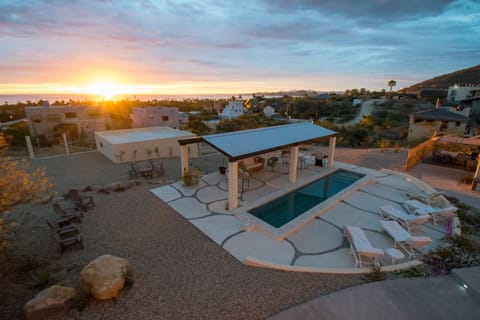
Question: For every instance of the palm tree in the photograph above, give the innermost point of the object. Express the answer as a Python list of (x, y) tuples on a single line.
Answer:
[(391, 84)]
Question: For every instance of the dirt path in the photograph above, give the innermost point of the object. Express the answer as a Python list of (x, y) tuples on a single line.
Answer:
[(365, 110)]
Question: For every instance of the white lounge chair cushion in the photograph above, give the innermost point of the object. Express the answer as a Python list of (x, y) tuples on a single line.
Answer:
[(418, 242), (395, 231), (361, 243)]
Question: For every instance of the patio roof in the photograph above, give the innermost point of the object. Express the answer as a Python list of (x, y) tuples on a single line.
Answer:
[(243, 144)]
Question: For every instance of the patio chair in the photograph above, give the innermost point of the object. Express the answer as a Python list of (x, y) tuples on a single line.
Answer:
[(65, 236), (71, 213), (360, 246), (419, 208), (404, 239), (81, 202), (146, 169), (133, 170), (390, 212)]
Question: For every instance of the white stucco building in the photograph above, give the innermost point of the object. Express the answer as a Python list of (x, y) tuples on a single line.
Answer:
[(130, 145), (457, 93), (233, 109), (76, 121), (155, 116)]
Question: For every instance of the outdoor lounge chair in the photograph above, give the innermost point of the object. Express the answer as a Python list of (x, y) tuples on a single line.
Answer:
[(70, 214), (65, 236), (81, 202), (404, 239), (360, 246), (419, 208), (426, 197), (409, 221)]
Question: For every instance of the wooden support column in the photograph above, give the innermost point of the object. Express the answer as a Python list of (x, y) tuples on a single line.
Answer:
[(184, 158), (232, 185), (65, 143), (331, 151), (292, 174), (30, 147)]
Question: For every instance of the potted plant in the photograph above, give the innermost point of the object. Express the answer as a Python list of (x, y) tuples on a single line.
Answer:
[(191, 178), (222, 168)]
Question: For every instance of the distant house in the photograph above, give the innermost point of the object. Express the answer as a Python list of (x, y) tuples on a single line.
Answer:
[(432, 94), (455, 121), (356, 102), (154, 117), (75, 121), (457, 93), (233, 109)]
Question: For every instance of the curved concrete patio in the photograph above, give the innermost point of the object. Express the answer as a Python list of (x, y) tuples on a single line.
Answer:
[(317, 247)]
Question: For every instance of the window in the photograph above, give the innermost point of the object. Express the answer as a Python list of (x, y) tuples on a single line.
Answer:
[(70, 115), (457, 124), (37, 120), (164, 118)]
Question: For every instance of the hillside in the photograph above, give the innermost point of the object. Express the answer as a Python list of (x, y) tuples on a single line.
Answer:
[(469, 75)]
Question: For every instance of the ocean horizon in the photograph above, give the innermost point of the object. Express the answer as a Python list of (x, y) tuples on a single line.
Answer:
[(24, 98)]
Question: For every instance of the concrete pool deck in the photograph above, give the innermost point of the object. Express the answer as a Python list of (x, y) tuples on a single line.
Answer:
[(319, 246)]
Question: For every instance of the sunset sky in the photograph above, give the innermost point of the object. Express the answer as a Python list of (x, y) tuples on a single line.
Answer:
[(193, 47)]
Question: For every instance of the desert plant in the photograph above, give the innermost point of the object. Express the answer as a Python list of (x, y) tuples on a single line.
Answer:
[(375, 276), (192, 177), (414, 272)]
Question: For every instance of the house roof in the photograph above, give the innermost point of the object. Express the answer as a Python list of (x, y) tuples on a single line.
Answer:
[(246, 143), (142, 134), (441, 114)]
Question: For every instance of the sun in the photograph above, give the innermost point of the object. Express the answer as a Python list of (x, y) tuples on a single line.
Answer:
[(105, 89)]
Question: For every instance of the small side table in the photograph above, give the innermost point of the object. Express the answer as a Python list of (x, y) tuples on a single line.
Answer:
[(395, 254)]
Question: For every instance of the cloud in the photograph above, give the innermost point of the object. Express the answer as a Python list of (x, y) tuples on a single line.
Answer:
[(240, 40), (365, 9)]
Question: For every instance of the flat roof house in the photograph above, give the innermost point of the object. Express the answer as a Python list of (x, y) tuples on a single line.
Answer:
[(142, 144)]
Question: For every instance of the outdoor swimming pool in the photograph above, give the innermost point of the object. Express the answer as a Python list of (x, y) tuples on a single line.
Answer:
[(284, 209)]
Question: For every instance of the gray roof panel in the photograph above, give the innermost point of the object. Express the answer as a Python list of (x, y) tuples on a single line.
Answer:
[(241, 144)]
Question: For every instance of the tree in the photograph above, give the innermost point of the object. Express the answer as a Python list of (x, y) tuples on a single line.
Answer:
[(18, 185), (391, 84)]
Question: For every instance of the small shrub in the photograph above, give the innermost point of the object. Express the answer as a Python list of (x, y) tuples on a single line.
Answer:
[(414, 272), (375, 276), (42, 278)]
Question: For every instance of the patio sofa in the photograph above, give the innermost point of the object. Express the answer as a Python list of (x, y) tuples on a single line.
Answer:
[(252, 164)]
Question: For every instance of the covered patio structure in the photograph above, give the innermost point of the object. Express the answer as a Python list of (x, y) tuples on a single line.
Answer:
[(239, 145)]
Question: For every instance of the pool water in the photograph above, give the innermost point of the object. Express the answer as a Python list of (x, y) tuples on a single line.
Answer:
[(286, 208)]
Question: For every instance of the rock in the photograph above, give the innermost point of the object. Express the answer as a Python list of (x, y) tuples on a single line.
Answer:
[(116, 186), (53, 299), (104, 277)]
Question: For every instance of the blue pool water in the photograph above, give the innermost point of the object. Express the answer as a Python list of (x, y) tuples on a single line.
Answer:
[(286, 208)]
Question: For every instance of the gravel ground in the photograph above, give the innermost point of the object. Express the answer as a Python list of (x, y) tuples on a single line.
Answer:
[(178, 272)]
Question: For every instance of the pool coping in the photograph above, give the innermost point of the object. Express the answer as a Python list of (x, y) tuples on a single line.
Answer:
[(262, 263), (251, 222)]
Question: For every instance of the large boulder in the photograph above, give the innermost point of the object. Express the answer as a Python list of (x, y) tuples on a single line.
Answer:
[(104, 277), (53, 299)]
